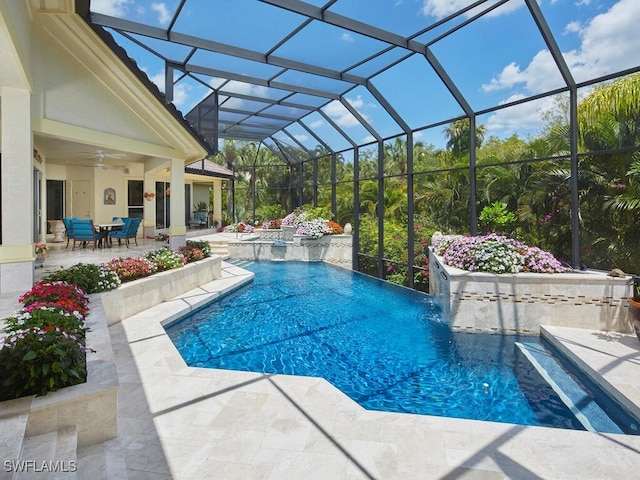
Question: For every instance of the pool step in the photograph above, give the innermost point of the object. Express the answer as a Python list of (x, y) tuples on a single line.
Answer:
[(581, 404), (240, 263)]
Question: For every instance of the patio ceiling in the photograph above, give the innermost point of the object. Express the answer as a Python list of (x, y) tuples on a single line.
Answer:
[(277, 82)]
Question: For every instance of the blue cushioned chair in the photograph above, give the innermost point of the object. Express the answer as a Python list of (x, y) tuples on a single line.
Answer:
[(68, 229), (83, 231), (129, 230)]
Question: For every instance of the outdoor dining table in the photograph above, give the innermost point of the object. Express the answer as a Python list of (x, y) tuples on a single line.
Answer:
[(104, 229)]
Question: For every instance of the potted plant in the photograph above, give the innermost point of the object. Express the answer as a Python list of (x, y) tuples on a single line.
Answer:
[(634, 306), (41, 253)]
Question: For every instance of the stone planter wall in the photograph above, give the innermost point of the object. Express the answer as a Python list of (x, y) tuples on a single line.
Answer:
[(139, 295), (336, 249), (92, 407), (522, 302), (270, 234)]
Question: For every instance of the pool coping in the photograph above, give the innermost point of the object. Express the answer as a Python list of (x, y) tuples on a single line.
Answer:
[(339, 435)]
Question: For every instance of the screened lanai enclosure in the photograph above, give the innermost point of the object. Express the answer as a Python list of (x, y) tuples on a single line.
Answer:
[(403, 118)]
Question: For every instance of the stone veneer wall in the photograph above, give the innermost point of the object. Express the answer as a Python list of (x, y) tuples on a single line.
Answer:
[(336, 249), (522, 302)]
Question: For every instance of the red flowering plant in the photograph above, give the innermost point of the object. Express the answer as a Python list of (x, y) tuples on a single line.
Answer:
[(191, 253), (68, 296), (272, 224), (129, 268)]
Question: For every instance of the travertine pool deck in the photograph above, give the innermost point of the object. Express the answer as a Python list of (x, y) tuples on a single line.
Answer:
[(193, 423)]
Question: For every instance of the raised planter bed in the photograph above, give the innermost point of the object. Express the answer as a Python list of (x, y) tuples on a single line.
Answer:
[(336, 249), (92, 407), (524, 301), (139, 295)]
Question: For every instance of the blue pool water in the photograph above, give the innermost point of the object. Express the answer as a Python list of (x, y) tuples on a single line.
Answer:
[(384, 346)]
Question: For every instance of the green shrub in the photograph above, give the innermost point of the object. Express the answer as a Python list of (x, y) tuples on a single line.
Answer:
[(497, 219), (202, 245), (270, 212), (165, 259), (35, 361), (89, 277)]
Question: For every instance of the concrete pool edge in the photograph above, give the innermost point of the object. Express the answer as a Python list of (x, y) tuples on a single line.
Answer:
[(339, 435), (601, 365)]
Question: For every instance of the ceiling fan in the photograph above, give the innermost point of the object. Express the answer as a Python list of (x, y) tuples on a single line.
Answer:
[(101, 155)]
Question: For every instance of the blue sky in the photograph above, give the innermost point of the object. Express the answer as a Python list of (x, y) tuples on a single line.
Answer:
[(497, 59)]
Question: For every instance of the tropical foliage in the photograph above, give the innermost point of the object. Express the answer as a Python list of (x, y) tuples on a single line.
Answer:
[(523, 186)]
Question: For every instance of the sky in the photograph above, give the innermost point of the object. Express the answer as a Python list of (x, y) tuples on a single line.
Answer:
[(495, 60)]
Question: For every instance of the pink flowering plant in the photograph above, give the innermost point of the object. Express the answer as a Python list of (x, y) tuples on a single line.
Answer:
[(130, 268), (191, 253), (494, 254), (295, 218), (70, 296)]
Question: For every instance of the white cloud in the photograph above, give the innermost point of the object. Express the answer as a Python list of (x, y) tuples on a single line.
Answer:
[(541, 75), (301, 138), (164, 16), (181, 92), (573, 27), (609, 43), (347, 37), (114, 8), (339, 114), (519, 118), (442, 8), (317, 124), (343, 117)]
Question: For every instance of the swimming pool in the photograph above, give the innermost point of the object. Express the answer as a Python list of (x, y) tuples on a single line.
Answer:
[(384, 346)]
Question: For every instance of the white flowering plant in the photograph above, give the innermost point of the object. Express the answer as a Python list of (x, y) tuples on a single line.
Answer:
[(494, 254), (295, 218), (314, 228)]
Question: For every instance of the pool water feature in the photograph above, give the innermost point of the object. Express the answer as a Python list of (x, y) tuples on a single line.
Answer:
[(383, 345)]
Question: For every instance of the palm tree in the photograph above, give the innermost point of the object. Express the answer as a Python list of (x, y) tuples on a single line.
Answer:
[(459, 138)]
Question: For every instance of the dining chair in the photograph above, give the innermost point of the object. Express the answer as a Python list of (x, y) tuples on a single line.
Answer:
[(84, 231)]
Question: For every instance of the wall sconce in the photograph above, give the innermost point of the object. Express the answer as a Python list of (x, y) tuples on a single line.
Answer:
[(149, 195)]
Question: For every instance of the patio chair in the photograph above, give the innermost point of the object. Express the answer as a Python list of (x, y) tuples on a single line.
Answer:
[(200, 220), (84, 231), (129, 230), (68, 229)]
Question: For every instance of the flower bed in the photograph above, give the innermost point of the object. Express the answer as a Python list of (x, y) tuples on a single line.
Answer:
[(521, 302), (336, 249), (141, 294)]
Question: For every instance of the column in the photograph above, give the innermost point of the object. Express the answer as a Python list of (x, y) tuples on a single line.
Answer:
[(16, 252), (217, 202), (178, 229)]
